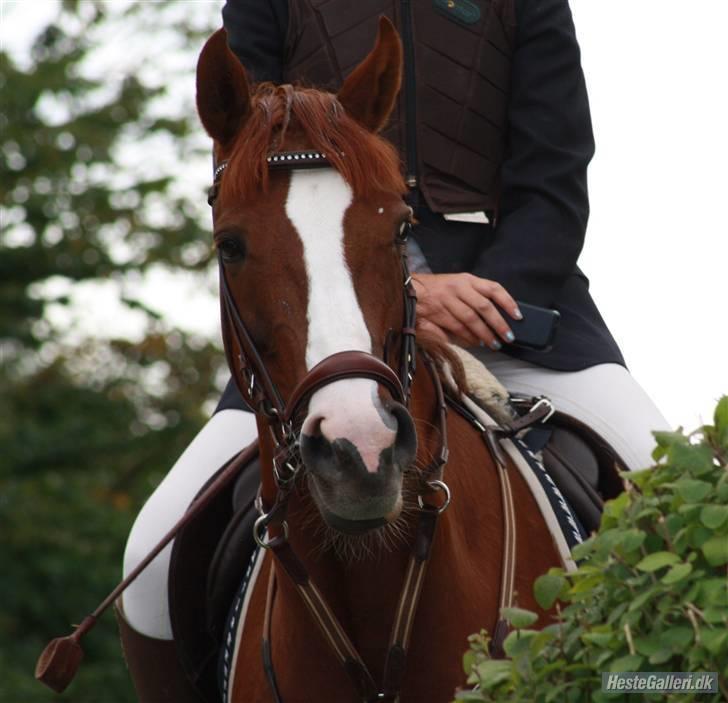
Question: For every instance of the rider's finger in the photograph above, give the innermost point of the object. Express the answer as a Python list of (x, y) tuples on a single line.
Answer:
[(431, 329), (468, 324), (490, 315), (499, 295)]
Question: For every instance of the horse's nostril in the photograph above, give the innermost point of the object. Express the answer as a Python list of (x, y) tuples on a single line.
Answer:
[(405, 444), (312, 425)]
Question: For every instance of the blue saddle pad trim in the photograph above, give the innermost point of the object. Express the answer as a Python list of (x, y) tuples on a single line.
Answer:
[(233, 620), (570, 525)]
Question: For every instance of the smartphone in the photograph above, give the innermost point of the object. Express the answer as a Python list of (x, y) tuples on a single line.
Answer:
[(537, 329)]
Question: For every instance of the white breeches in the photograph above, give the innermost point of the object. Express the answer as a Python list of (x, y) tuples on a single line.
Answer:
[(605, 397), (145, 602)]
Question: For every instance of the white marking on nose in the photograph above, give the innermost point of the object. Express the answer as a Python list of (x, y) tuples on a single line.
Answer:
[(352, 410), (316, 204)]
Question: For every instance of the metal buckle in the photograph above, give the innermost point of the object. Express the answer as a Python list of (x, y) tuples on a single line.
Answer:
[(284, 477), (260, 529), (437, 485), (544, 401)]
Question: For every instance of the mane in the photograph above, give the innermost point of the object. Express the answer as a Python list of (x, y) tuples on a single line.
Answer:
[(367, 162), (449, 366)]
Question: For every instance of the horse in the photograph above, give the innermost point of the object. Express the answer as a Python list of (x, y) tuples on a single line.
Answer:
[(387, 528)]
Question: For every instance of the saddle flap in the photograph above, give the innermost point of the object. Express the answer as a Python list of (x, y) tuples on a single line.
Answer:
[(194, 554)]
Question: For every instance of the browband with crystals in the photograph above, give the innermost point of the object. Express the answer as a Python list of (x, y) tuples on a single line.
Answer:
[(297, 159), (280, 159)]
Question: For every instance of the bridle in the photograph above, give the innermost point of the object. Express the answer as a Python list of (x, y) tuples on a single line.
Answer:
[(259, 390), (251, 375), (261, 393)]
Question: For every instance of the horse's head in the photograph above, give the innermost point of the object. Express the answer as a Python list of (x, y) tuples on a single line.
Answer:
[(311, 260)]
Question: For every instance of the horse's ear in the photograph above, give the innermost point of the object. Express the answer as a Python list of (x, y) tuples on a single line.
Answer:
[(368, 94), (223, 94)]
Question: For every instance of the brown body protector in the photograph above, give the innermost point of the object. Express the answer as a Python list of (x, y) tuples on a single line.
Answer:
[(449, 121)]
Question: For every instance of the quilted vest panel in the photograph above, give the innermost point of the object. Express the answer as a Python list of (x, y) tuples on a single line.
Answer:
[(455, 91)]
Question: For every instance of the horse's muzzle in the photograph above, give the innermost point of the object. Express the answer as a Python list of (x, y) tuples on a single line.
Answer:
[(356, 474)]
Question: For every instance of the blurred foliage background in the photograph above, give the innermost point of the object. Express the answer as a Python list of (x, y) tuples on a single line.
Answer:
[(92, 139)]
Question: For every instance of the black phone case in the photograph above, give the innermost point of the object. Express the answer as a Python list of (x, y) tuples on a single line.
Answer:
[(537, 329)]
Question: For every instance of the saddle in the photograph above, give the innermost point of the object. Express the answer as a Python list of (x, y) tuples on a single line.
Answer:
[(210, 555)]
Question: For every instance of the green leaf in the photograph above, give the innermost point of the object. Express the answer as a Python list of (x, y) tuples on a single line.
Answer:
[(713, 516), (715, 640), (660, 656), (469, 660), (648, 645), (518, 642), (678, 637), (669, 439), (692, 490), (493, 672), (469, 696), (677, 573), (715, 591), (639, 478), (653, 562), (641, 599), (696, 459), (715, 550), (720, 417), (715, 616), (583, 550), (601, 639), (615, 508), (546, 589), (631, 540), (629, 663), (518, 617)]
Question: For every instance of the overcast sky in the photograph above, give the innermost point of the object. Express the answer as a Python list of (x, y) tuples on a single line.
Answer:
[(657, 244)]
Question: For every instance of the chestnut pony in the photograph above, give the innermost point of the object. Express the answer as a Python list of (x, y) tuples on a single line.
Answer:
[(312, 279)]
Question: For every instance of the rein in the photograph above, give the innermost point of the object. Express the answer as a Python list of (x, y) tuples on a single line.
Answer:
[(59, 661)]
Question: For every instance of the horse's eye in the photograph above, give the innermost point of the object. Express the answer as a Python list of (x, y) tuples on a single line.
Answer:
[(231, 250)]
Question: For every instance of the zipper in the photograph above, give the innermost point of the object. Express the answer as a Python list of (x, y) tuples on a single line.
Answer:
[(410, 106)]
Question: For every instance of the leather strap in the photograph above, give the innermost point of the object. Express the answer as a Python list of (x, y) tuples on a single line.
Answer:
[(540, 411), (508, 568), (336, 638), (345, 364), (266, 644), (491, 437)]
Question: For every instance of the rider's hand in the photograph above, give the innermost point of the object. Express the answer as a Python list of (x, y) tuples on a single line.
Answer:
[(461, 307)]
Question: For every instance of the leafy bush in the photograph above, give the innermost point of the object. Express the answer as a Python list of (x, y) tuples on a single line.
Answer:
[(650, 593)]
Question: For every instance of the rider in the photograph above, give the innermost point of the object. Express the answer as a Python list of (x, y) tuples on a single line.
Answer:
[(494, 130)]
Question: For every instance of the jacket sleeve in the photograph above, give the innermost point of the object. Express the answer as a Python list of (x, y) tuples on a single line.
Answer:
[(256, 31), (544, 201)]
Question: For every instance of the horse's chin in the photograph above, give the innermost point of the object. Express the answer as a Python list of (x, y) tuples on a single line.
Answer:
[(356, 521), (353, 528)]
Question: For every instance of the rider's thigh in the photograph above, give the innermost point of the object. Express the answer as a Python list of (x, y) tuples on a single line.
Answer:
[(606, 397), (145, 601)]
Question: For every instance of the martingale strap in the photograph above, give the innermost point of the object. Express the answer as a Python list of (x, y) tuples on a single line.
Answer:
[(491, 437), (338, 641)]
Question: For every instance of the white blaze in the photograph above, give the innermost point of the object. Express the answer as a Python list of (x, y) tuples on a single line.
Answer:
[(316, 204)]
